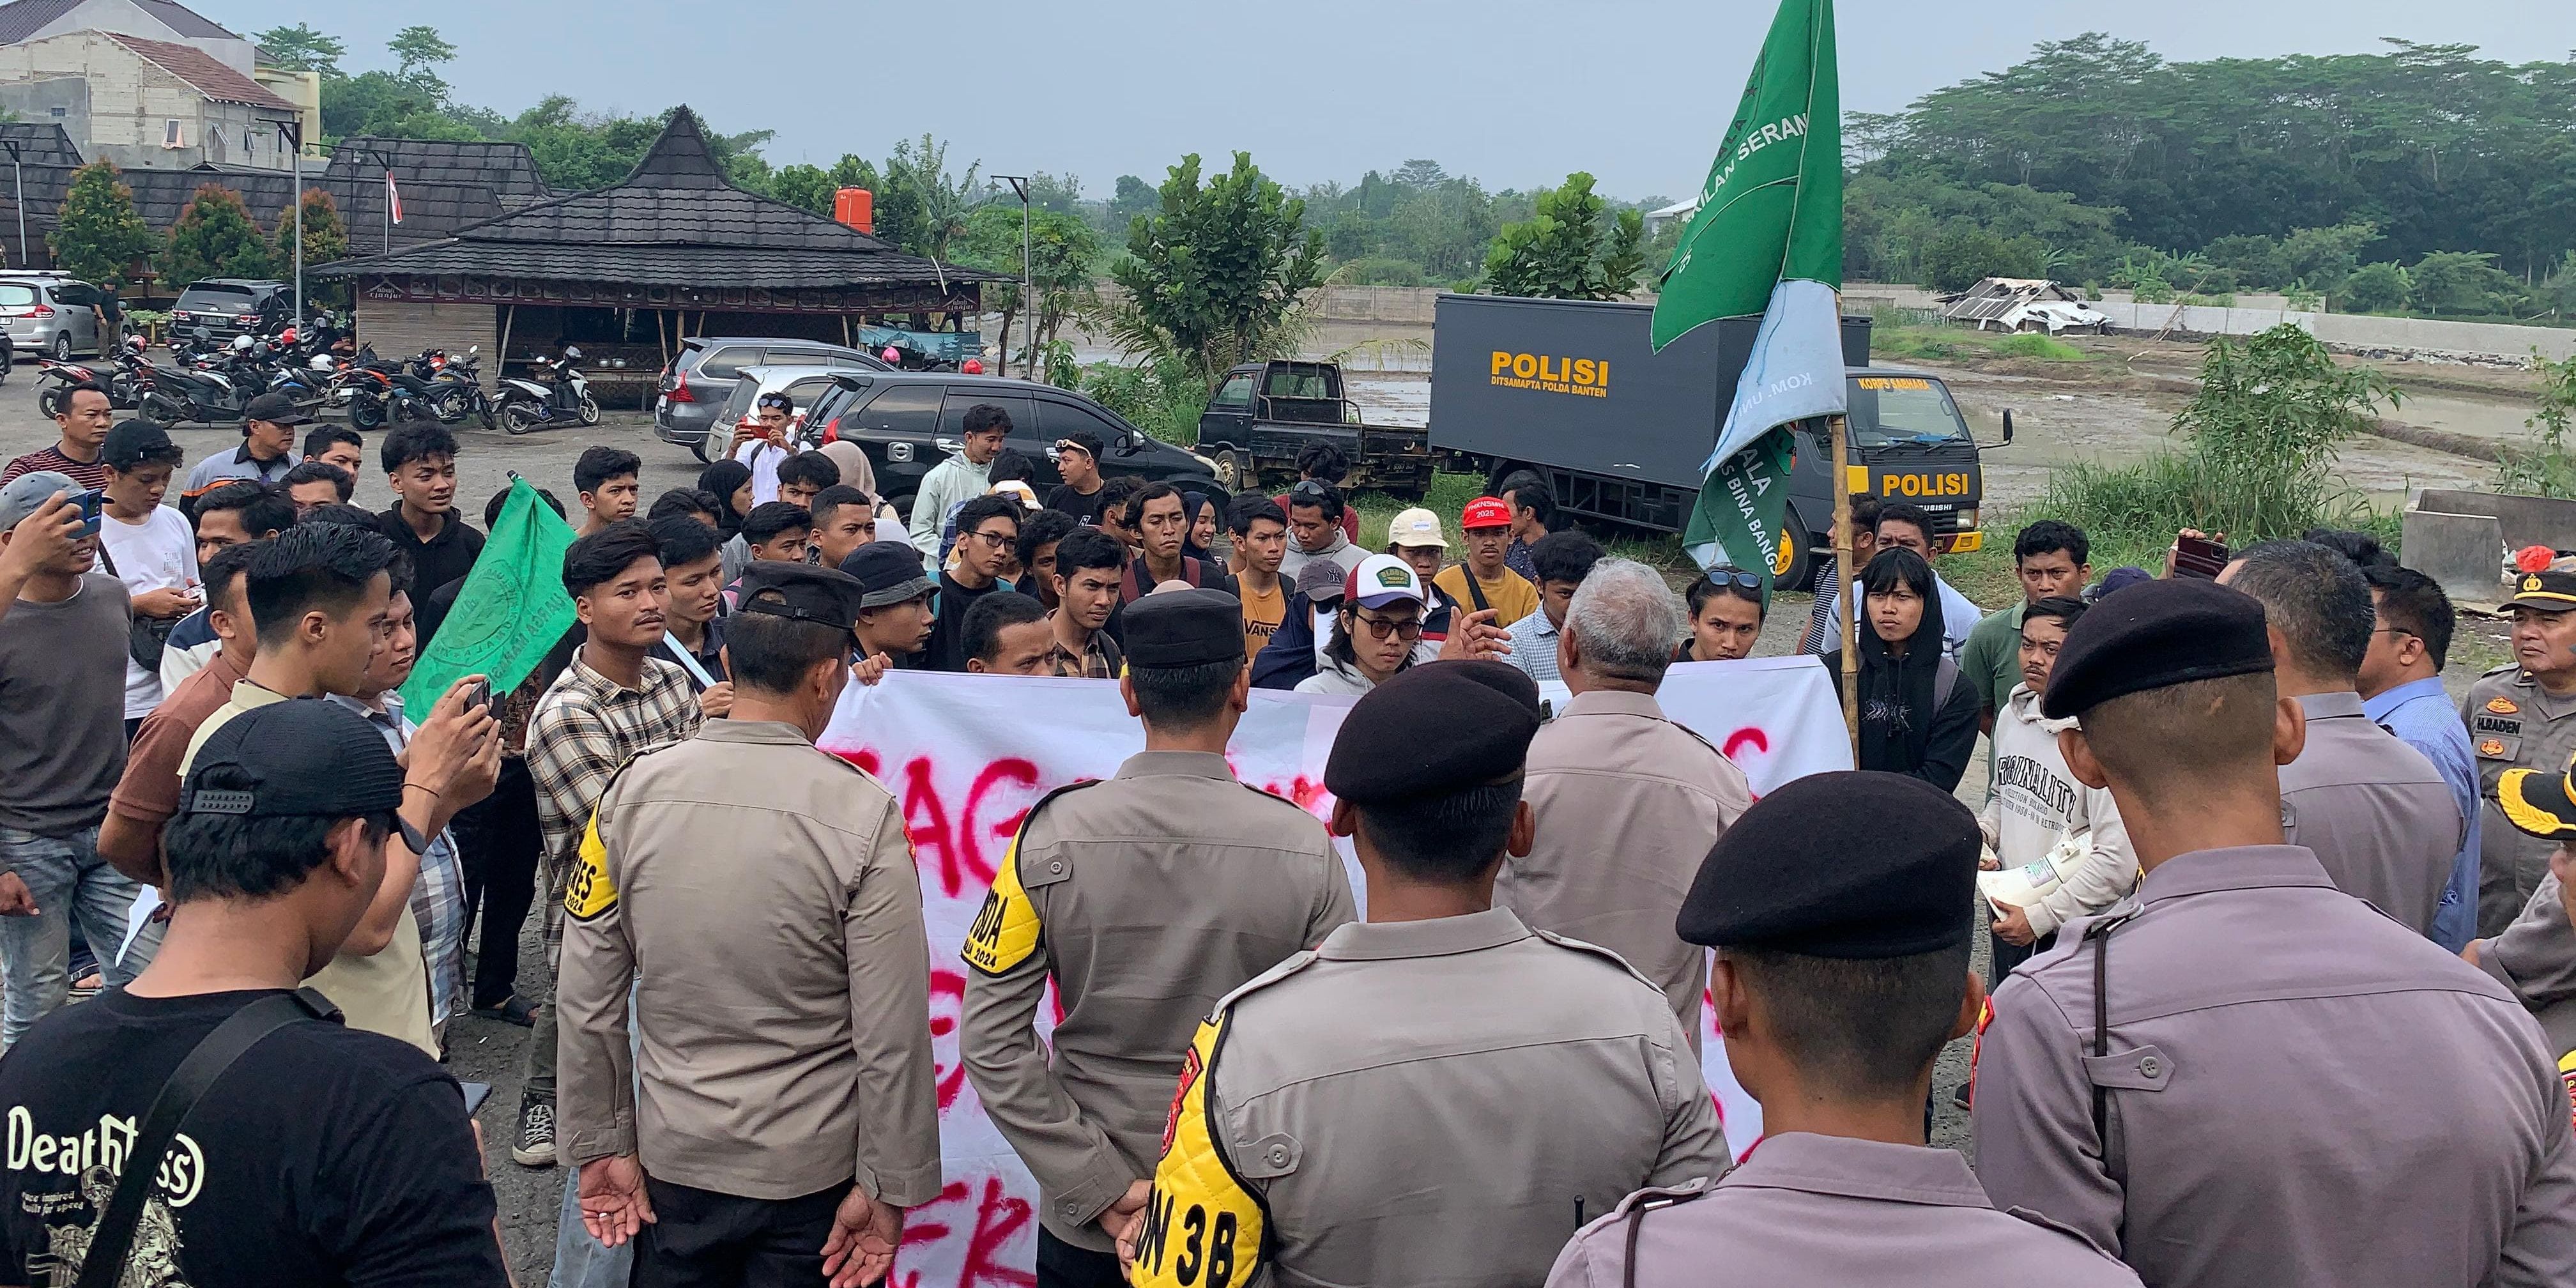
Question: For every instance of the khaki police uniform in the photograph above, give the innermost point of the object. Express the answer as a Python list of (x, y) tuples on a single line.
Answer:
[(1421, 1103), (1810, 1209), (2254, 1079), (2513, 724), (1145, 898), (1628, 803), (763, 894)]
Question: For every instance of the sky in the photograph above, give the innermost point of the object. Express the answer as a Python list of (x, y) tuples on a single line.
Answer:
[(1515, 94)]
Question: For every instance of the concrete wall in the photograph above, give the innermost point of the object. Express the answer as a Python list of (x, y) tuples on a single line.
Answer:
[(128, 18), (129, 104), (2352, 330), (38, 100)]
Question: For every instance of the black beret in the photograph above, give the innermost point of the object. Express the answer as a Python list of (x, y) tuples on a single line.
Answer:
[(1184, 628), (2155, 636), (1433, 729), (804, 592), (1854, 864)]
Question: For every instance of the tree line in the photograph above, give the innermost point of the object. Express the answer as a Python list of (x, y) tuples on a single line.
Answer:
[(2423, 177)]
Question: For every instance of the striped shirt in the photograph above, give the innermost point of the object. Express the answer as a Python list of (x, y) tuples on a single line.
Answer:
[(92, 475)]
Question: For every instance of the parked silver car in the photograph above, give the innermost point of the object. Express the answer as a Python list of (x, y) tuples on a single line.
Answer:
[(696, 384), (52, 314)]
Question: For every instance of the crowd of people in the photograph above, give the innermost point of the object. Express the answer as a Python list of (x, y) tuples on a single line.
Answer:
[(2328, 1046)]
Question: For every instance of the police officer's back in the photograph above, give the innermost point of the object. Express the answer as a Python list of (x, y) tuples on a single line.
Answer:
[(2374, 811), (2535, 956), (1842, 969), (1440, 1095), (763, 892), (2522, 715), (1145, 898), (2250, 1078)]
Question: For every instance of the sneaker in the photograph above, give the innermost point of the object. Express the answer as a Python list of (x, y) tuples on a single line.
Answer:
[(536, 1144)]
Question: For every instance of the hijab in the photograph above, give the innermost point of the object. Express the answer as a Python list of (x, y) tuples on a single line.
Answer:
[(1191, 504), (856, 471), (1896, 693), (724, 478)]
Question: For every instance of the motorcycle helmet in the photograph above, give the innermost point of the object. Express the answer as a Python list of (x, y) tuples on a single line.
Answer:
[(572, 353), (971, 367), (892, 355), (286, 336), (243, 344)]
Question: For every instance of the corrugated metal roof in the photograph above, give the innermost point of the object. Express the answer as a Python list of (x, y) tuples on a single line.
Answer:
[(40, 143), (202, 71), (508, 169)]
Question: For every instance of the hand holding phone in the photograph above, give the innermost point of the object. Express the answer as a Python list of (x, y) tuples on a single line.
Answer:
[(2195, 555), (92, 503)]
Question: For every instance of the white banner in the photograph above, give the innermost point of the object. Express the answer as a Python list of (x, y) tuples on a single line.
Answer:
[(967, 756)]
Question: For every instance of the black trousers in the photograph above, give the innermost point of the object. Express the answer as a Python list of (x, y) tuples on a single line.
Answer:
[(702, 1239), (1062, 1265), (499, 842)]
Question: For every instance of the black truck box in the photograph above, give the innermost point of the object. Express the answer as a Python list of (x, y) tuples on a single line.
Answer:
[(1575, 385)]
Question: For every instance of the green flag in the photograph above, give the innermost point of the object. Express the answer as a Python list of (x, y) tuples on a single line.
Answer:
[(1768, 239), (1772, 209), (512, 610)]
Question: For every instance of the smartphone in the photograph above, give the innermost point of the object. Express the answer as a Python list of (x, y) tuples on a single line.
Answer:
[(479, 696), (91, 503), (2199, 557), (475, 1094)]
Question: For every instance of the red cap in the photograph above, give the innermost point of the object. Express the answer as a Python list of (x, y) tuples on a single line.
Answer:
[(1487, 512)]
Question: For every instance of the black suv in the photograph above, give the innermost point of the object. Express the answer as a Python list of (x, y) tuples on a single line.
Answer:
[(910, 421), (230, 306)]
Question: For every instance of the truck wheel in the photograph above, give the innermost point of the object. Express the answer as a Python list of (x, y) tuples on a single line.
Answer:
[(1234, 470), (1794, 568)]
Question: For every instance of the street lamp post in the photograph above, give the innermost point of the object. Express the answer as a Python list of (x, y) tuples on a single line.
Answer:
[(1028, 294)]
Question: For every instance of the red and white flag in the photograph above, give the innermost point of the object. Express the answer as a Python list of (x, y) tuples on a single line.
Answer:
[(393, 197)]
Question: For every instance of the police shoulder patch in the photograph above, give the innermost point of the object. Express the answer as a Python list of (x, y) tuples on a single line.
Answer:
[(591, 892), (1006, 930), (1203, 1226), (2567, 1074)]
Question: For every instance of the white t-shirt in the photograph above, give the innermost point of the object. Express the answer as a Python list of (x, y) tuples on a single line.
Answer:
[(763, 458), (160, 553)]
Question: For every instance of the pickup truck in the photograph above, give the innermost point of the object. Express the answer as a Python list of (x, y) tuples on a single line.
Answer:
[(1264, 413)]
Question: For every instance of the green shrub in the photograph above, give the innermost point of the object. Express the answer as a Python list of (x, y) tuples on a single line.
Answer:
[(2040, 345)]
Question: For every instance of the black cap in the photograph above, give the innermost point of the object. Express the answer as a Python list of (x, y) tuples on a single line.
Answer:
[(305, 758), (2548, 590), (1184, 628), (1433, 729), (2155, 636), (129, 442), (1321, 581), (890, 571), (1814, 868), (2538, 802), (276, 409), (803, 592)]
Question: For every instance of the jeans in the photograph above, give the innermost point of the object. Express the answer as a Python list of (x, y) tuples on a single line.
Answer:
[(68, 879)]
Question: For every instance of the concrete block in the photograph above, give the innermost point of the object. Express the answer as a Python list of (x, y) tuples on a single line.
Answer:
[(2526, 520), (2462, 552)]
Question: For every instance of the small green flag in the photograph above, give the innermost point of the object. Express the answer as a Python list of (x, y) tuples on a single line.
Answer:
[(512, 611)]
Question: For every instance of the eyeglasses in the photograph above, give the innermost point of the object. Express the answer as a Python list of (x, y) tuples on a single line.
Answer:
[(1382, 627), (995, 540), (1309, 488)]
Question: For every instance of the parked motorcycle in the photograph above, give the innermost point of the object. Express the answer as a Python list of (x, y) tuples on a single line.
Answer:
[(59, 380), (559, 394)]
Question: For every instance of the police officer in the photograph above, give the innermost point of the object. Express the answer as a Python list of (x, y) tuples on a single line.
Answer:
[(2522, 715), (1440, 1095), (1842, 968), (782, 1112), (1145, 898), (2535, 956), (2247, 1077)]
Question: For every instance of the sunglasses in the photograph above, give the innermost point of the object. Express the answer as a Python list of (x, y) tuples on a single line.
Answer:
[(1382, 627), (1309, 488), (1736, 577)]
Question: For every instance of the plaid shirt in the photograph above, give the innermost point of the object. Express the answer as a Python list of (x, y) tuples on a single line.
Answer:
[(585, 727), (1100, 658), (438, 897)]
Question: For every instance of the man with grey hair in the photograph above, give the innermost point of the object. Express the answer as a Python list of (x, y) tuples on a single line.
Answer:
[(2376, 812), (1627, 802)]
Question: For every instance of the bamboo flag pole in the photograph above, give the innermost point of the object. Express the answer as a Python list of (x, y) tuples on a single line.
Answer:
[(1844, 574)]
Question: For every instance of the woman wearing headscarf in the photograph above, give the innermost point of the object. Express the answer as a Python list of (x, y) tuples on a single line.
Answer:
[(730, 482), (1198, 528), (1916, 717)]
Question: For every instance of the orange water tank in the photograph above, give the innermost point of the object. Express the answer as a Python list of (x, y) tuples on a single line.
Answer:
[(856, 207)]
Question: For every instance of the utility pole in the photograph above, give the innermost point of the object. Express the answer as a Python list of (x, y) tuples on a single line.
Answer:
[(1028, 295)]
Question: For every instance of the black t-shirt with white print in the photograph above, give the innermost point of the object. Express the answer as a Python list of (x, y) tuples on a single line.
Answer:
[(324, 1156)]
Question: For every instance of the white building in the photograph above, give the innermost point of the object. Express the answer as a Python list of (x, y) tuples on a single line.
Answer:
[(143, 103)]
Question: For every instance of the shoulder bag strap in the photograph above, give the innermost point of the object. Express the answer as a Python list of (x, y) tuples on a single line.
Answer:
[(114, 1236), (1476, 591)]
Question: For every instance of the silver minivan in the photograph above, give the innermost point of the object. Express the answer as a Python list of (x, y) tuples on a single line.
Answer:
[(696, 384), (51, 314)]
